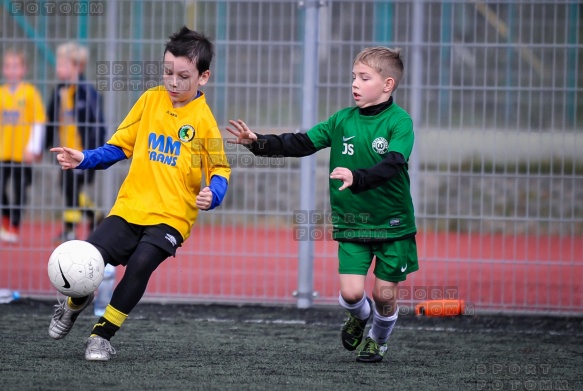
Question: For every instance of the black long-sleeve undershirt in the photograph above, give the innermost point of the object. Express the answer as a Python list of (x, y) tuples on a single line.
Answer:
[(283, 145), (369, 178), (299, 145)]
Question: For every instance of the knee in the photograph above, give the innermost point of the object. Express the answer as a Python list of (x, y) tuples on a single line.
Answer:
[(386, 305), (352, 295), (139, 268), (384, 298)]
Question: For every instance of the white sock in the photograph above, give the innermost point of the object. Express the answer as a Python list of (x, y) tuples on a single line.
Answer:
[(361, 309), (382, 326)]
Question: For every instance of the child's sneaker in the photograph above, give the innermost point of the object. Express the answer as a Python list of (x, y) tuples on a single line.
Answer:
[(372, 351), (65, 317), (353, 330), (9, 235), (98, 349)]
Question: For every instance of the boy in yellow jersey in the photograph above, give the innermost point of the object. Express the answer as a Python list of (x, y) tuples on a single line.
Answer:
[(173, 140), (22, 120), (76, 120)]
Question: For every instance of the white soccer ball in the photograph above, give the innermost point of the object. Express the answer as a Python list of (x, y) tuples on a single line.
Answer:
[(76, 268)]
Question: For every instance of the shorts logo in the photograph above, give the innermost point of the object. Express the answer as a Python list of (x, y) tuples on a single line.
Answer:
[(394, 222), (380, 145), (186, 133), (171, 239)]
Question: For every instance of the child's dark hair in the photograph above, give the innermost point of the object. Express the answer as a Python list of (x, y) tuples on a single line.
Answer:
[(192, 45)]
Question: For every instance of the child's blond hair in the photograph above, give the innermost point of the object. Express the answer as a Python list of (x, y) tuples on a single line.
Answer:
[(16, 53), (75, 52), (387, 62)]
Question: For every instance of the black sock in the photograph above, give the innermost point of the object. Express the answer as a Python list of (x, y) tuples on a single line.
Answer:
[(105, 329), (78, 300)]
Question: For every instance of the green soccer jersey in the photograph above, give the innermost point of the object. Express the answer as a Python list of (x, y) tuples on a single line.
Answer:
[(356, 142)]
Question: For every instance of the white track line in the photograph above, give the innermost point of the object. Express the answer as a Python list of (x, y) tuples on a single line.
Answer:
[(410, 328)]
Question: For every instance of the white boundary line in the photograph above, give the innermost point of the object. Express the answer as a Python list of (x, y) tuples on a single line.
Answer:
[(409, 328)]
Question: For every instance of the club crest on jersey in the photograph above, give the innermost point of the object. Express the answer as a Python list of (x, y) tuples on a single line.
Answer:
[(186, 133), (380, 145)]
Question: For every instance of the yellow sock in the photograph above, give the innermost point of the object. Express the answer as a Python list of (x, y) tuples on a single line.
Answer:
[(72, 305), (114, 316), (72, 216), (85, 201)]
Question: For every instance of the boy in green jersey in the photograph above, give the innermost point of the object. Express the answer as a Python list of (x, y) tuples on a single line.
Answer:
[(370, 197)]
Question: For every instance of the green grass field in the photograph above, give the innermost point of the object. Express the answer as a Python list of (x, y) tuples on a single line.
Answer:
[(219, 347)]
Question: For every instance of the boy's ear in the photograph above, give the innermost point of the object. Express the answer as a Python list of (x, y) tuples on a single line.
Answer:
[(389, 84), (204, 77)]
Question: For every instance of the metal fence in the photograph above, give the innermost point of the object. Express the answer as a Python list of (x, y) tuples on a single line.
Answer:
[(496, 96)]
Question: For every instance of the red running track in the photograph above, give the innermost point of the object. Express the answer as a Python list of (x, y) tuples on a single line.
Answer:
[(247, 264)]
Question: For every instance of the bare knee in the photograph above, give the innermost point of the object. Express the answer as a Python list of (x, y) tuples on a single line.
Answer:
[(352, 296), (385, 299), (352, 287)]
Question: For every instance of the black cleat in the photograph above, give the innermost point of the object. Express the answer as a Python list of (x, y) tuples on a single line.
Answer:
[(372, 351), (353, 330)]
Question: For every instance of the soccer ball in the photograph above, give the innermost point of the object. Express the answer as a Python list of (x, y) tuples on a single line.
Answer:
[(76, 268)]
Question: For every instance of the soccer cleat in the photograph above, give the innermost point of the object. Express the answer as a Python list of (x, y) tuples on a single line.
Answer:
[(65, 317), (371, 351), (98, 349), (353, 330), (9, 235)]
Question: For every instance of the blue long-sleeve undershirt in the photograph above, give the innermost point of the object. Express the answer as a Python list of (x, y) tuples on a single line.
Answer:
[(102, 157), (107, 155), (218, 186)]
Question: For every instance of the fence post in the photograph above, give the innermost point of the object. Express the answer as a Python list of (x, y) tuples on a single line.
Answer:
[(110, 97), (416, 68), (305, 292)]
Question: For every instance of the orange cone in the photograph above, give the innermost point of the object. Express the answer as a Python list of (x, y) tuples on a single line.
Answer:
[(440, 308)]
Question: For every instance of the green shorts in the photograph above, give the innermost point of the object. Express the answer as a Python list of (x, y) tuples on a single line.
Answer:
[(394, 260)]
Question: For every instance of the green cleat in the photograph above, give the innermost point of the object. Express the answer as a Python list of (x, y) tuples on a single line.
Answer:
[(353, 330), (372, 351)]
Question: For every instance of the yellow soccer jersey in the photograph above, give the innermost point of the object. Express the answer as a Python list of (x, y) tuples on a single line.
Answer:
[(19, 110), (169, 147), (68, 134)]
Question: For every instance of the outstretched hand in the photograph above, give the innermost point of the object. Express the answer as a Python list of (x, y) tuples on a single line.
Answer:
[(242, 132), (68, 158), (343, 174), (204, 199)]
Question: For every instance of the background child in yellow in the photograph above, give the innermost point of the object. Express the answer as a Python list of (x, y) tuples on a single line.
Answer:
[(76, 120), (22, 120)]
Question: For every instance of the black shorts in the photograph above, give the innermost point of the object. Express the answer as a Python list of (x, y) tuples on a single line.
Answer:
[(117, 239)]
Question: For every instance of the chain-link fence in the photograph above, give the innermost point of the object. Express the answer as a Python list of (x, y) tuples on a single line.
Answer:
[(497, 172)]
